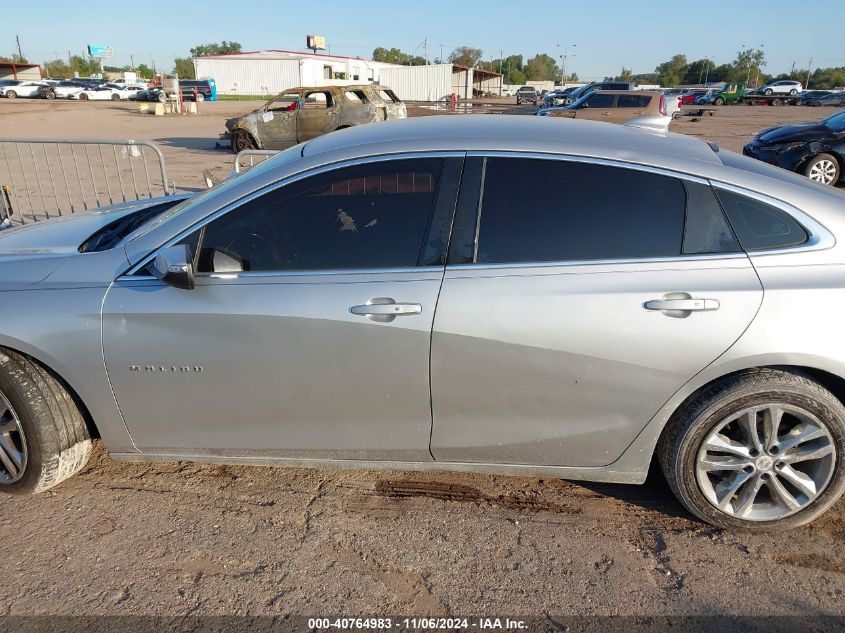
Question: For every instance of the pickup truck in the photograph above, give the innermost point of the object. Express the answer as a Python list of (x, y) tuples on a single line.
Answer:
[(732, 93)]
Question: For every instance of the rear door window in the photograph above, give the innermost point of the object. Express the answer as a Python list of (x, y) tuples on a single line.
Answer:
[(633, 101), (538, 210)]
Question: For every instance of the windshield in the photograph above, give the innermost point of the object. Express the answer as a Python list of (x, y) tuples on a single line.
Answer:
[(286, 156), (835, 122)]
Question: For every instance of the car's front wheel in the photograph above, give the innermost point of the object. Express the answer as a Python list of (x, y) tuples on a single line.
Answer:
[(759, 451), (43, 436), (823, 168), (11, 94)]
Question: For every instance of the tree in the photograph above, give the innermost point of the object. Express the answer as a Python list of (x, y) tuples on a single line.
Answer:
[(15, 59), (57, 69), (624, 75), (542, 67), (672, 73), (184, 67), (699, 71), (395, 56), (222, 48), (144, 71), (85, 66), (747, 64), (466, 56)]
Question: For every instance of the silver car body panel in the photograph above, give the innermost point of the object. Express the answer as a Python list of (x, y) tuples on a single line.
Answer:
[(59, 318)]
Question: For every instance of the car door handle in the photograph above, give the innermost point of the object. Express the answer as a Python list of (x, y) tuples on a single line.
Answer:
[(682, 305), (385, 309), (397, 309)]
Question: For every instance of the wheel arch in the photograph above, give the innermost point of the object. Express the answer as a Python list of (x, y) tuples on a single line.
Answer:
[(93, 430), (252, 135), (639, 455)]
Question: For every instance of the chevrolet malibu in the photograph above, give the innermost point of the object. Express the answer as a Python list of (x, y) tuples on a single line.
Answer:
[(415, 295)]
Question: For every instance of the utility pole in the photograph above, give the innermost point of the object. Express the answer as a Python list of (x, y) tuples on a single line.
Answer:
[(441, 53), (707, 71), (132, 61), (20, 54), (501, 56), (809, 66), (425, 47)]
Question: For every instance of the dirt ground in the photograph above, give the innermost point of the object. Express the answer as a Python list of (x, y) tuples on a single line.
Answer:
[(193, 540)]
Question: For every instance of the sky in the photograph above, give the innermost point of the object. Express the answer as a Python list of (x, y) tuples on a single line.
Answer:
[(600, 36)]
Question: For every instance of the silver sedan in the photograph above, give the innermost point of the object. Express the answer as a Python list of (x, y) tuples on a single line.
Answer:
[(500, 294)]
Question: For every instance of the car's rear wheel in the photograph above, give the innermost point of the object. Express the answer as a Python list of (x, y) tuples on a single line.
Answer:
[(823, 168), (83, 96), (768, 92), (793, 92), (718, 101), (43, 436), (759, 451), (11, 94), (49, 95), (115, 97)]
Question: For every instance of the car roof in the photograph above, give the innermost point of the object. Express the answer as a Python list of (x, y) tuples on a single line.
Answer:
[(485, 132)]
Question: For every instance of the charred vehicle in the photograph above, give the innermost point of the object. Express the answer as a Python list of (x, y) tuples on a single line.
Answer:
[(300, 114)]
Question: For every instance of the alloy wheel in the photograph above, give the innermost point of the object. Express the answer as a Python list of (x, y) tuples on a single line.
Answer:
[(13, 451), (766, 462), (823, 171)]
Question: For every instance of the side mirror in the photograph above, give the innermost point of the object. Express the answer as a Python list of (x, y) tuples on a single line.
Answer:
[(174, 266)]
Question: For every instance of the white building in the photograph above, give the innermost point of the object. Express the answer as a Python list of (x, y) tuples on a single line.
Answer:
[(272, 71)]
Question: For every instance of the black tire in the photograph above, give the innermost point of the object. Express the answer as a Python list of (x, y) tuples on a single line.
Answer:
[(58, 444), (161, 97), (768, 92), (242, 140), (718, 101), (83, 96), (818, 158), (200, 97), (49, 95), (775, 102), (793, 92), (115, 97), (689, 426), (11, 94)]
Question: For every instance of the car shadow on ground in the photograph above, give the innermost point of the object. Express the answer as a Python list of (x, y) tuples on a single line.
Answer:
[(654, 494), (193, 142)]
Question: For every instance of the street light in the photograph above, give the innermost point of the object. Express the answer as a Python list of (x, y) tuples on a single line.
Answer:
[(563, 58)]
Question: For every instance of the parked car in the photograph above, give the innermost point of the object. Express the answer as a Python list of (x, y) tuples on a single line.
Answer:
[(836, 99), (526, 94), (784, 87), (234, 326), (557, 97), (815, 148), (809, 95), (689, 97), (586, 89), (18, 88), (643, 107), (63, 89), (100, 93), (300, 114)]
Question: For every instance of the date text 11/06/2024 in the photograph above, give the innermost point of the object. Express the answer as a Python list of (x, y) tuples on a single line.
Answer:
[(501, 624)]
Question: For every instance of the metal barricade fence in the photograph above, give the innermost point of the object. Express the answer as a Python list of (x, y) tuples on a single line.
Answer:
[(45, 178), (250, 155)]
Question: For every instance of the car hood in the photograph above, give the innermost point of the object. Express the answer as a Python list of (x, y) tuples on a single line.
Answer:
[(807, 131), (29, 253)]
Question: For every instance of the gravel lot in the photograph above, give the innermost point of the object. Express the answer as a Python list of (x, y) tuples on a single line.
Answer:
[(193, 540)]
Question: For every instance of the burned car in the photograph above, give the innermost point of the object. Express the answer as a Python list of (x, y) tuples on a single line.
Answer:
[(300, 114)]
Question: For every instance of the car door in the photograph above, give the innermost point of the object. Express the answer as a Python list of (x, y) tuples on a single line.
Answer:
[(630, 106), (319, 114), (307, 334), (566, 321), (597, 107), (275, 124)]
